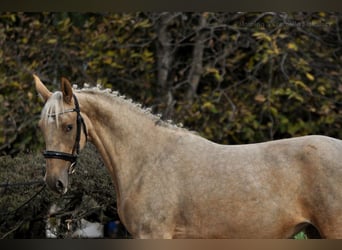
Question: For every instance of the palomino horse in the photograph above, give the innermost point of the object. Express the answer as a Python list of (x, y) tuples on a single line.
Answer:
[(171, 183)]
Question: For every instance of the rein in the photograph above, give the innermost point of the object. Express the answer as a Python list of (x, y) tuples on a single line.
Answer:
[(76, 149)]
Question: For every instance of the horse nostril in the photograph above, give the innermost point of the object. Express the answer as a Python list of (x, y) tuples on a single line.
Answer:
[(60, 186)]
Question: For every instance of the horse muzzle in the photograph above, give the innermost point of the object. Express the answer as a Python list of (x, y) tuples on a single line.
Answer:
[(58, 182)]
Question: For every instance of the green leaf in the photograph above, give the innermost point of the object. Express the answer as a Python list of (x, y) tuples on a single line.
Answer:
[(52, 41), (262, 36)]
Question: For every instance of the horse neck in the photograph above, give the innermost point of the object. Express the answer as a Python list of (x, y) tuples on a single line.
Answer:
[(124, 136)]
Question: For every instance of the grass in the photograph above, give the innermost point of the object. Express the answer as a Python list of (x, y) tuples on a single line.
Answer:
[(301, 236)]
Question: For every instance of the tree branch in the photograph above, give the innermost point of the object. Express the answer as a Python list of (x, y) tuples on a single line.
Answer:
[(164, 49), (197, 59)]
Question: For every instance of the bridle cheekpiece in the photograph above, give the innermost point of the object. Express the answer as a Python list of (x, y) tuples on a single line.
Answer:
[(76, 149)]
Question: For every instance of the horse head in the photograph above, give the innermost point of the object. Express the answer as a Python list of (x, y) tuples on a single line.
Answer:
[(61, 124)]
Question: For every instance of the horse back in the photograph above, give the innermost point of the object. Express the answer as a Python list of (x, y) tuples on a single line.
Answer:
[(290, 181)]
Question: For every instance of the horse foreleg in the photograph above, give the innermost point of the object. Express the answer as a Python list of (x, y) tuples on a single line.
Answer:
[(332, 232), (147, 228), (330, 227)]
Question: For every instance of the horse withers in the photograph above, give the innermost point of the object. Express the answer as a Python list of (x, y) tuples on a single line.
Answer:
[(172, 183)]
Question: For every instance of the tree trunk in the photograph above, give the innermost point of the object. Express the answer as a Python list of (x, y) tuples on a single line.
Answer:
[(196, 69), (164, 49), (165, 58)]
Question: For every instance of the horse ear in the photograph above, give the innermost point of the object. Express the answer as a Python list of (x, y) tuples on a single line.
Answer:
[(66, 90), (41, 89)]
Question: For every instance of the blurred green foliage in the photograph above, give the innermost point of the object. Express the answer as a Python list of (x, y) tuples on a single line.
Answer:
[(233, 77)]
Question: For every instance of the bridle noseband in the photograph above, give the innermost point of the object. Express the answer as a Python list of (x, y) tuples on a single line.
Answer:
[(76, 149)]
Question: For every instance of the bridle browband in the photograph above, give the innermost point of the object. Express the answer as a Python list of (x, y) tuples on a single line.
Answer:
[(76, 149)]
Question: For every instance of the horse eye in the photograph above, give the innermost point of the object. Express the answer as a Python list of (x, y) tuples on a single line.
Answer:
[(68, 128)]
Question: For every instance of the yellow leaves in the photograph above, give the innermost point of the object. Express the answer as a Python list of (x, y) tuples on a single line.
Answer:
[(275, 50), (268, 47), (262, 36), (111, 53), (52, 41), (209, 106), (291, 94), (211, 70), (108, 60), (215, 72), (321, 89), (143, 24), (35, 24), (309, 76), (148, 56), (271, 42), (301, 64), (13, 17), (292, 46), (301, 84), (24, 40)]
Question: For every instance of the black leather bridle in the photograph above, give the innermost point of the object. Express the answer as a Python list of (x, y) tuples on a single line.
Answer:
[(76, 149)]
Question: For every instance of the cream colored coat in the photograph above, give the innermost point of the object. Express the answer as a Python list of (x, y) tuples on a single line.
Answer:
[(171, 183)]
